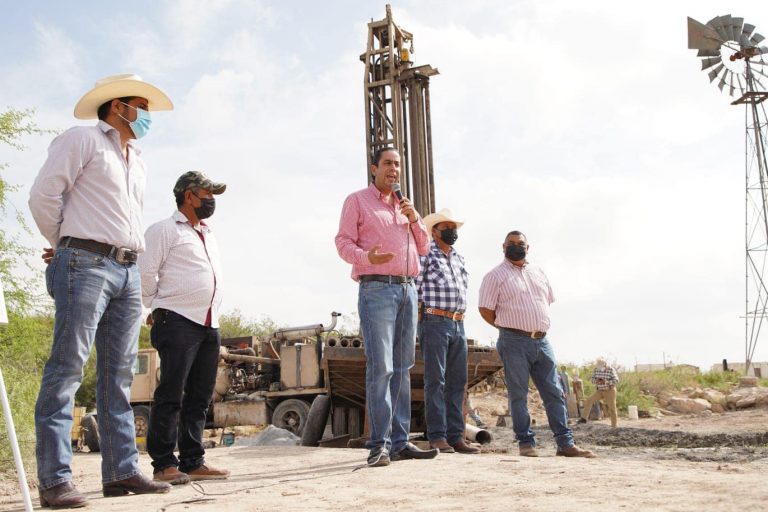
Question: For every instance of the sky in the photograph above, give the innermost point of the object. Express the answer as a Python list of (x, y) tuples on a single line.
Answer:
[(590, 128)]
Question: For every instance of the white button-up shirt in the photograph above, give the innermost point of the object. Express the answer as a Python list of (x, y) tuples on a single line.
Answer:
[(87, 189), (179, 272)]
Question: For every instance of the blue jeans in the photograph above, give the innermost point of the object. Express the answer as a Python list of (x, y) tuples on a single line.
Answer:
[(189, 357), (388, 323), (444, 349), (97, 299), (524, 357)]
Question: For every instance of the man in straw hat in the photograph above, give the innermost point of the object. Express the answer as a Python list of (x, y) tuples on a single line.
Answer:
[(181, 284), (87, 202), (515, 297), (382, 236), (605, 378), (442, 286)]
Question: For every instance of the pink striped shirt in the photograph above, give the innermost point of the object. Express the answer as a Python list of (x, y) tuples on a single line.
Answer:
[(520, 296), (368, 220)]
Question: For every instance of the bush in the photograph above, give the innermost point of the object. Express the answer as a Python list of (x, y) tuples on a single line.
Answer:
[(24, 346)]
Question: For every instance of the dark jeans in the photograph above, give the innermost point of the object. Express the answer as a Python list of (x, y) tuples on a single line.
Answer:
[(189, 354), (444, 349)]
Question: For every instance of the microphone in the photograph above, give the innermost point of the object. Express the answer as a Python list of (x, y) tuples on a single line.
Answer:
[(396, 190)]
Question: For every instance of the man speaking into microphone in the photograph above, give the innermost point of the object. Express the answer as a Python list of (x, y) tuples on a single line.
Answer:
[(382, 235)]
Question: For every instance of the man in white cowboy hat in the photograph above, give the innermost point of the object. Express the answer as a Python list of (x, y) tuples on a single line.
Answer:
[(181, 284), (442, 287), (87, 202)]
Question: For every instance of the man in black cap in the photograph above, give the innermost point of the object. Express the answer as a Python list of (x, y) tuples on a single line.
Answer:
[(181, 284)]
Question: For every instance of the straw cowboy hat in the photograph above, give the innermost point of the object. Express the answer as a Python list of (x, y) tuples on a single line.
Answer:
[(120, 86), (444, 215)]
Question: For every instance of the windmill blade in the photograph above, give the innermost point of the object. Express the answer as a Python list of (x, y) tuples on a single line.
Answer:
[(744, 41), (756, 38), (710, 61), (727, 24), (708, 53), (713, 74), (722, 82), (738, 25), (763, 50), (717, 24), (702, 37), (747, 30)]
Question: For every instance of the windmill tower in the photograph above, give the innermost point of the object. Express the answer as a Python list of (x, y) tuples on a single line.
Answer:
[(397, 108), (730, 49)]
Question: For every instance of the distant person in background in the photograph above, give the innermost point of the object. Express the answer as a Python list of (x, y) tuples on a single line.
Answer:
[(472, 411), (515, 297), (87, 201), (383, 236), (442, 285), (605, 378), (181, 284)]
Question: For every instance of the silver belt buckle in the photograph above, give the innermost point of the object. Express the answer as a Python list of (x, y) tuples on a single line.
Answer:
[(120, 255)]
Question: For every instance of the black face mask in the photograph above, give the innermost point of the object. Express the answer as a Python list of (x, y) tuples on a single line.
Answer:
[(206, 208), (515, 252), (449, 235)]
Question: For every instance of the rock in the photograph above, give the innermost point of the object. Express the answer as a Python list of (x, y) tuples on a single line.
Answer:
[(746, 402), (747, 382), (689, 405), (663, 399), (714, 397), (696, 393), (718, 408)]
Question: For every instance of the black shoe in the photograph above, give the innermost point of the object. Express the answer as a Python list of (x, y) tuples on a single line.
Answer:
[(411, 451), (378, 456), (137, 484), (582, 420), (62, 496)]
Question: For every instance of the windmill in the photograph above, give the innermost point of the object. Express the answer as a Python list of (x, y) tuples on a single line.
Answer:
[(731, 55)]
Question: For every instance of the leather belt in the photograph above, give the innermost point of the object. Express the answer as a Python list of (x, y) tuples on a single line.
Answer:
[(385, 279), (537, 335), (455, 316), (119, 254)]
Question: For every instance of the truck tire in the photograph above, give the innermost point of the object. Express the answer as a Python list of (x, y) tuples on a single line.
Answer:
[(141, 420), (291, 415), (90, 432), (316, 420)]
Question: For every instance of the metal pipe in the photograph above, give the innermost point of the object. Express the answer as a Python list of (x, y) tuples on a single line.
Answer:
[(344, 342), (305, 331), (479, 435), (332, 341), (357, 342), (249, 359)]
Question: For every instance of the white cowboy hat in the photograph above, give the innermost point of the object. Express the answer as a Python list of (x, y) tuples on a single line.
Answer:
[(444, 215), (120, 86)]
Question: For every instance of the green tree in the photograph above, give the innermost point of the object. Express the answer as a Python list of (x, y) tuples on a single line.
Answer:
[(25, 341), (235, 325)]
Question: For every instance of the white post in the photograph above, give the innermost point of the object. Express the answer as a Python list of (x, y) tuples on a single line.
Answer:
[(9, 419)]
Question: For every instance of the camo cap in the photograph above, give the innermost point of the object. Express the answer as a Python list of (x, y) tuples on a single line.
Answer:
[(196, 179)]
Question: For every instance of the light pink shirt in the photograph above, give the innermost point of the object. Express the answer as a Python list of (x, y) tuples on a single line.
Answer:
[(368, 220), (86, 189), (520, 296), (179, 272)]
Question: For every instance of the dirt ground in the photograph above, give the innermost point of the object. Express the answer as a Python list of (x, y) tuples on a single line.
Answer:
[(681, 463)]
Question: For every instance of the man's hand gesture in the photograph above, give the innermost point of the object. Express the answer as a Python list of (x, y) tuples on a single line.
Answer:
[(379, 258)]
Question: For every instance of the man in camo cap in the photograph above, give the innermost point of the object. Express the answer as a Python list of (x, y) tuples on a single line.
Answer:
[(181, 284)]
